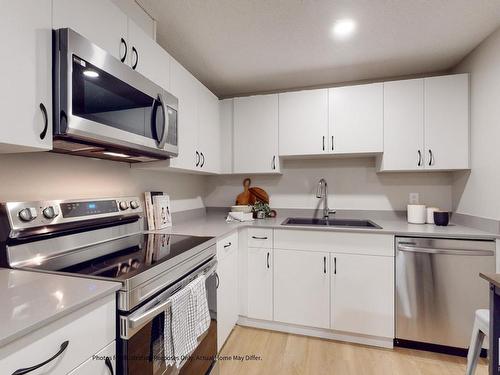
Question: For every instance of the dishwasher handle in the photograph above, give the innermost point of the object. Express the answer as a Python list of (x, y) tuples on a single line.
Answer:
[(433, 250)]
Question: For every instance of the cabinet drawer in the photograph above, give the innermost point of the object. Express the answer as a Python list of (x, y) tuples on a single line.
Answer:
[(260, 237), (87, 331), (338, 242), (227, 245), (99, 364)]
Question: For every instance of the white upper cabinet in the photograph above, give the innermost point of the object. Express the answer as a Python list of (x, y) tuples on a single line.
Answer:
[(356, 119), (255, 143), (426, 124), (226, 128), (209, 136), (185, 87), (26, 76), (303, 123), (100, 21), (403, 125), (447, 122), (148, 57), (302, 288)]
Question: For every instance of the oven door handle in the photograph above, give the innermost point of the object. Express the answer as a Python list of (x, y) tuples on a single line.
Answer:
[(134, 322)]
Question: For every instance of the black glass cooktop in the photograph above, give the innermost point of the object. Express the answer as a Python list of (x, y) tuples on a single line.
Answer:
[(147, 251)]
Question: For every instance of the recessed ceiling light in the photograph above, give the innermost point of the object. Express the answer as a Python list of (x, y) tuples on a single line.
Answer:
[(90, 73), (116, 154), (344, 28)]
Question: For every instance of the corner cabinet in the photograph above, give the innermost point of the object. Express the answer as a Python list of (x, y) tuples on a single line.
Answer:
[(255, 142), (26, 38), (426, 124)]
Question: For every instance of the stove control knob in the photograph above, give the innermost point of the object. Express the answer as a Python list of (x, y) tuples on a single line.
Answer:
[(27, 214), (123, 205), (134, 204), (50, 212)]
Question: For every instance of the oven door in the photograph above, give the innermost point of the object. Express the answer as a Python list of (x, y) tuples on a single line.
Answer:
[(140, 349), (105, 102)]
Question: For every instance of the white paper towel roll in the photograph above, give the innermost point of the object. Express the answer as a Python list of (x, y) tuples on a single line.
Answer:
[(416, 214)]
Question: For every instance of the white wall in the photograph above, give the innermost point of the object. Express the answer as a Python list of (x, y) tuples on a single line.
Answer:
[(352, 183), (477, 193), (52, 176)]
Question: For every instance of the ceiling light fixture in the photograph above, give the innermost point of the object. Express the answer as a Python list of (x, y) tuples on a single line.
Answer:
[(344, 28), (90, 73)]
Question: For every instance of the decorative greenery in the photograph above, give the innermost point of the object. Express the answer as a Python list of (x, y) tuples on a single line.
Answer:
[(261, 206)]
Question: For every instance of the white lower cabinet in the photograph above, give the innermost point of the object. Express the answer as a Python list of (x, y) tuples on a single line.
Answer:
[(227, 291), (102, 363), (302, 288), (362, 294), (73, 338), (260, 283)]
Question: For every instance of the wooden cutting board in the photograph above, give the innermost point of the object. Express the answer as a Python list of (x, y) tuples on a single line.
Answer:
[(251, 195)]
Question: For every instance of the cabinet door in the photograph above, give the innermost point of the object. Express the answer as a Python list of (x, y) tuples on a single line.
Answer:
[(26, 76), (98, 20), (185, 87), (302, 288), (209, 132), (227, 296), (255, 141), (148, 57), (303, 122), (226, 127), (100, 364), (363, 294), (447, 122), (356, 119), (260, 283), (403, 125)]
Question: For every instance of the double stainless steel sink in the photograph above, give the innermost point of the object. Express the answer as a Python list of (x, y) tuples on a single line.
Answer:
[(351, 223)]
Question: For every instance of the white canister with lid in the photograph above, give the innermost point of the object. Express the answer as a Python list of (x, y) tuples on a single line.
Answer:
[(417, 214), (430, 214)]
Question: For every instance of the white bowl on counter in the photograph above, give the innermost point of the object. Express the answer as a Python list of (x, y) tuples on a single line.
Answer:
[(241, 208)]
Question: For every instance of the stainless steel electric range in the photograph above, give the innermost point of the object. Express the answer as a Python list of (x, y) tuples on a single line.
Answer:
[(104, 239)]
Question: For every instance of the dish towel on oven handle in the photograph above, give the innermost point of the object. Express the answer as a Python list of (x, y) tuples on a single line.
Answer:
[(187, 319), (202, 317), (180, 337)]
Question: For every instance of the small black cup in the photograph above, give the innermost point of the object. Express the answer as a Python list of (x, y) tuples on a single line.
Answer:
[(441, 218)]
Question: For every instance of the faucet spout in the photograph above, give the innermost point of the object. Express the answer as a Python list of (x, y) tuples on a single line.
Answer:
[(322, 193)]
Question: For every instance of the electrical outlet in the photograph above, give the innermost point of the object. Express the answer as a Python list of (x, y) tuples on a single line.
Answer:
[(414, 198)]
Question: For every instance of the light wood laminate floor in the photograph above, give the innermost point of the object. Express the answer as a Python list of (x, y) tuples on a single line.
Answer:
[(286, 354)]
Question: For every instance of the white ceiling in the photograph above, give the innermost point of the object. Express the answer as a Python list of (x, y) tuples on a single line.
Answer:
[(248, 46)]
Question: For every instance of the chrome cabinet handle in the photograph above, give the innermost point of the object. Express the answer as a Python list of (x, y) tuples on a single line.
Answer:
[(46, 121), (324, 264), (202, 160), (217, 281), (323, 143), (124, 43), (419, 163), (134, 51), (109, 365), (268, 259), (26, 370), (259, 238), (431, 158), (197, 158), (227, 245)]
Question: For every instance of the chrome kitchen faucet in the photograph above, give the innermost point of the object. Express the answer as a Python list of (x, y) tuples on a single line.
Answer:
[(322, 192)]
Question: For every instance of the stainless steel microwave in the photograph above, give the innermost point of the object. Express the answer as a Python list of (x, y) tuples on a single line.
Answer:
[(105, 109)]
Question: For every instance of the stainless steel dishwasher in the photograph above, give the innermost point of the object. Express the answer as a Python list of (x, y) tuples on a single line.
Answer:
[(438, 290)]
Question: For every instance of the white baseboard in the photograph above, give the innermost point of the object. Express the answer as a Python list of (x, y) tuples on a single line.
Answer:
[(382, 342)]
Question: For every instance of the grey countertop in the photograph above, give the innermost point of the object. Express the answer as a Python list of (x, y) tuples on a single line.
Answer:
[(214, 224), (31, 300)]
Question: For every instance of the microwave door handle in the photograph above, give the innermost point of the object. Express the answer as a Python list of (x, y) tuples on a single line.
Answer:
[(165, 122)]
